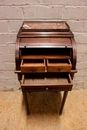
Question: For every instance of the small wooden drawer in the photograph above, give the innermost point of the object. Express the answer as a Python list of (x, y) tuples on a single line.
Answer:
[(59, 65), (32, 65), (47, 83)]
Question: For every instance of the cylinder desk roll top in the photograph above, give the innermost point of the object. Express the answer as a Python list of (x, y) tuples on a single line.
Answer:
[(45, 57), (45, 43)]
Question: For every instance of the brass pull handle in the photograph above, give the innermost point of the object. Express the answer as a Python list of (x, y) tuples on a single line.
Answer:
[(33, 70), (58, 69), (47, 89)]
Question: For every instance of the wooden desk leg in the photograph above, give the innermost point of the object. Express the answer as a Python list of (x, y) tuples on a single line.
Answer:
[(63, 101), (26, 102)]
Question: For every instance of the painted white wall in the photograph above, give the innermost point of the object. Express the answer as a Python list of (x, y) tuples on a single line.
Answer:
[(14, 12)]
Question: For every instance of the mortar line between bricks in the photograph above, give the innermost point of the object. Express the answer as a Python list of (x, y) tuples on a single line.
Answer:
[(23, 5), (44, 18), (32, 5), (68, 20)]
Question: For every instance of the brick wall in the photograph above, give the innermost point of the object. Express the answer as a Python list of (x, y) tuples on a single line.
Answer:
[(14, 12)]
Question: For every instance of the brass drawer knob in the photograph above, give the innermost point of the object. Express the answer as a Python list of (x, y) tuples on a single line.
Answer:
[(58, 69), (47, 89), (33, 70)]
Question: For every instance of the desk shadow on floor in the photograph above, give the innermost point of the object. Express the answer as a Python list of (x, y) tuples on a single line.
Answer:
[(44, 102)]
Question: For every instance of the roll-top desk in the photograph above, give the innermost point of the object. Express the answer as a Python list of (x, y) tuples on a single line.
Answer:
[(45, 58)]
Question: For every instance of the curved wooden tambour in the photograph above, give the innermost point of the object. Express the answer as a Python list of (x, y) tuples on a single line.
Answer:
[(45, 42), (74, 53), (45, 34), (45, 51), (17, 54)]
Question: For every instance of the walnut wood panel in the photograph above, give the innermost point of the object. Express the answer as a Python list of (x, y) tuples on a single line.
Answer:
[(56, 66), (44, 33), (46, 85), (45, 57), (32, 67), (17, 56), (44, 29), (74, 55), (46, 42), (39, 33)]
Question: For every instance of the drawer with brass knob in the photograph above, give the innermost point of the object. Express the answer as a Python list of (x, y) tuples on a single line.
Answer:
[(46, 82), (32, 65), (59, 65)]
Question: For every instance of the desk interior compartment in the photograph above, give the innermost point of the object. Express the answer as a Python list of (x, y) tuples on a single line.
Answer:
[(59, 65), (32, 65)]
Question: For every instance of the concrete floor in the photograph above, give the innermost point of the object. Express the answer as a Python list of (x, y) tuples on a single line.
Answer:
[(44, 108)]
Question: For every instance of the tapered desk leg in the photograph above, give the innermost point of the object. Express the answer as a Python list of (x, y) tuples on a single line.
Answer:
[(63, 101), (26, 102)]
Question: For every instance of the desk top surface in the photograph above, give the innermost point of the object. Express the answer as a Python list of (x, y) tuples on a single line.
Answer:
[(45, 25), (32, 29)]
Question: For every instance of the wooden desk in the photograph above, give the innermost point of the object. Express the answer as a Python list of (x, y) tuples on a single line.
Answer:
[(45, 58)]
